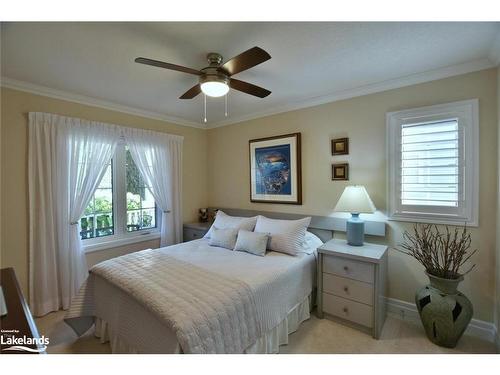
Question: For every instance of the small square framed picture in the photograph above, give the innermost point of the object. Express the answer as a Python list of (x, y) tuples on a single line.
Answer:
[(340, 172), (340, 146)]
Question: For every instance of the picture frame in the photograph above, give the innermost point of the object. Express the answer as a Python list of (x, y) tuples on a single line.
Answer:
[(340, 172), (340, 146), (275, 169)]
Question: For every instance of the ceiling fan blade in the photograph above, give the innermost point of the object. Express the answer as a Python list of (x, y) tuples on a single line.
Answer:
[(192, 92), (246, 60), (248, 88), (161, 64)]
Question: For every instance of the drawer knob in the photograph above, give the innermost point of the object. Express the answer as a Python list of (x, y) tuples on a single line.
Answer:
[(346, 268), (346, 310), (346, 289)]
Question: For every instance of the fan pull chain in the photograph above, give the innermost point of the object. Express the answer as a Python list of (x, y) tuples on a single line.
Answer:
[(225, 105), (204, 108)]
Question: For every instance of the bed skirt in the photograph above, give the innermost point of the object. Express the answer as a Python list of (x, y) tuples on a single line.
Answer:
[(270, 343), (267, 344)]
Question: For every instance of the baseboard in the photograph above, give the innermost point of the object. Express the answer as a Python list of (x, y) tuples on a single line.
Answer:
[(408, 311)]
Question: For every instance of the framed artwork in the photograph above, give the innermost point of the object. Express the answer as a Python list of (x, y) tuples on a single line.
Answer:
[(340, 172), (340, 146), (275, 169)]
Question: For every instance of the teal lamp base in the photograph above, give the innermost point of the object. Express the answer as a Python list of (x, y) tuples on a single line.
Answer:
[(355, 228)]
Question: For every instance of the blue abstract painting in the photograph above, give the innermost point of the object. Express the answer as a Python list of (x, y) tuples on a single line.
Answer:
[(272, 165)]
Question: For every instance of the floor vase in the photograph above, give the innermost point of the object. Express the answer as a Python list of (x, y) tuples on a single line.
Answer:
[(444, 311)]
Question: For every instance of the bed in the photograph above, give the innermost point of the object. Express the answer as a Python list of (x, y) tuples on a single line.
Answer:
[(197, 298), (281, 285)]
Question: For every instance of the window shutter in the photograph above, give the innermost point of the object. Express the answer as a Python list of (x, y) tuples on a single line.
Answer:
[(433, 163), (430, 164)]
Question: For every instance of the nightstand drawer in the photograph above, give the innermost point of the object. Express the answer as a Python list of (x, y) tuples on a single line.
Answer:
[(348, 288), (353, 311), (352, 269), (193, 234)]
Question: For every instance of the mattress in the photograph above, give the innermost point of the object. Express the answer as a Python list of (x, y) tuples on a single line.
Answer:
[(279, 282)]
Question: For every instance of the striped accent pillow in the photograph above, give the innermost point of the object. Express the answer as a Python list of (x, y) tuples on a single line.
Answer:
[(286, 236), (224, 221)]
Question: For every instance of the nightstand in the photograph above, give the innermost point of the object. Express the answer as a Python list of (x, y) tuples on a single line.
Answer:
[(195, 231), (352, 284)]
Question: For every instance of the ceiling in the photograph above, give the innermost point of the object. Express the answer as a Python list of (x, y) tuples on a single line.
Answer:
[(311, 62)]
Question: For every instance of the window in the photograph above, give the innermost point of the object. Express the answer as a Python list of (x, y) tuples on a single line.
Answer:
[(433, 163), (98, 216), (122, 206), (141, 207)]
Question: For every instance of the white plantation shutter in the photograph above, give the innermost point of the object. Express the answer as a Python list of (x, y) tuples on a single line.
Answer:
[(430, 164), (433, 163)]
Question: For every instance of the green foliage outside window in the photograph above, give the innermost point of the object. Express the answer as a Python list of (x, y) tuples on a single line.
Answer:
[(99, 204), (147, 220), (133, 201), (135, 183)]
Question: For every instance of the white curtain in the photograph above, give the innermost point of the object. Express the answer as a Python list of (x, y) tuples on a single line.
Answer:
[(67, 160), (158, 157)]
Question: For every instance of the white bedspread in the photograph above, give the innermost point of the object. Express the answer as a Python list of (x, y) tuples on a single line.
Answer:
[(278, 282)]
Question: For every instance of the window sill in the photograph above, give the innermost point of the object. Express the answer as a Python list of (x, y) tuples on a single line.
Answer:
[(433, 220), (120, 241)]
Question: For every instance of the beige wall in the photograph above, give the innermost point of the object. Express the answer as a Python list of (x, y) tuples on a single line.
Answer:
[(15, 106), (362, 119)]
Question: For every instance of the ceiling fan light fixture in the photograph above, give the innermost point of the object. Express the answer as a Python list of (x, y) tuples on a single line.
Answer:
[(214, 85), (214, 89)]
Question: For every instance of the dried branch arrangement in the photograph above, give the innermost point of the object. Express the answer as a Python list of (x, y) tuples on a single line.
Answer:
[(442, 254)]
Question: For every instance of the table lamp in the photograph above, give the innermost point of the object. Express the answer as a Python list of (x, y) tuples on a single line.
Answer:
[(355, 200)]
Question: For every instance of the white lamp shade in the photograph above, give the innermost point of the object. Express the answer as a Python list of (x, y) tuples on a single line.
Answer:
[(355, 199), (214, 89)]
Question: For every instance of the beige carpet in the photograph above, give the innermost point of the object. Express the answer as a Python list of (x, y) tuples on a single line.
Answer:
[(314, 336)]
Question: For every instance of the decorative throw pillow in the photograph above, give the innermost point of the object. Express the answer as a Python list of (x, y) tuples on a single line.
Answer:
[(287, 236), (224, 221), (223, 238), (251, 242), (311, 243)]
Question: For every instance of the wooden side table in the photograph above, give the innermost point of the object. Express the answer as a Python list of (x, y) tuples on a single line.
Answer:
[(195, 231), (352, 282)]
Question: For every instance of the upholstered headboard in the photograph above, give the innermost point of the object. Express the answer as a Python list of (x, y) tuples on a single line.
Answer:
[(322, 226)]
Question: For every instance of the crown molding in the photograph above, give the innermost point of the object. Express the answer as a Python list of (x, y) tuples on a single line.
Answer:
[(94, 102), (431, 75), (494, 55)]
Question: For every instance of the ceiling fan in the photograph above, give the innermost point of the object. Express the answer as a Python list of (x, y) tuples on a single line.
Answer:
[(215, 80)]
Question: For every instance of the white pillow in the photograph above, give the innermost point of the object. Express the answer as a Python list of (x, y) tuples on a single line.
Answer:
[(311, 243), (251, 242), (223, 238), (224, 221), (287, 236)]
